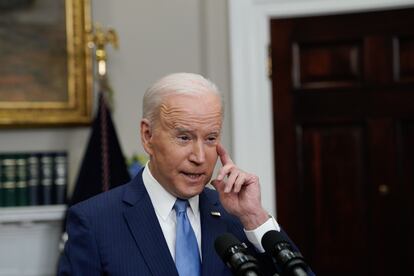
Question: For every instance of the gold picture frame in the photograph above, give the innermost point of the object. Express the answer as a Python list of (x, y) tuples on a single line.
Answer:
[(46, 66)]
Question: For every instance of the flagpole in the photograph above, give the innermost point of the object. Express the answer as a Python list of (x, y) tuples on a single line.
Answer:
[(98, 40)]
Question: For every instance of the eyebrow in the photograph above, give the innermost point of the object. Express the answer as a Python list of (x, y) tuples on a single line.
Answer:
[(215, 132), (183, 129)]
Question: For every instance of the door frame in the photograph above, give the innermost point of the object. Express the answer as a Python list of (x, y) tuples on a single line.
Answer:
[(252, 123)]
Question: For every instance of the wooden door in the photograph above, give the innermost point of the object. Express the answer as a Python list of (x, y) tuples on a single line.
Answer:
[(343, 98)]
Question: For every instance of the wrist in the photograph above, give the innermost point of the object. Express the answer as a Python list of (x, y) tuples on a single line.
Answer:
[(253, 220)]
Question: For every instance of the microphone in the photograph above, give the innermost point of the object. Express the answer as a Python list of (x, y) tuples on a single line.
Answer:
[(235, 256), (291, 263)]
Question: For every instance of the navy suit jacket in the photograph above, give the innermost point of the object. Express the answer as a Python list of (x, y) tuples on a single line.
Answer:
[(118, 233)]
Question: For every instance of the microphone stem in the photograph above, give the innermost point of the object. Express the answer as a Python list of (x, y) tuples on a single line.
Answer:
[(298, 271), (250, 273)]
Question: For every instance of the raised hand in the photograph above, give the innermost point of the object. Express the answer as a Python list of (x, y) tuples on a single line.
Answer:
[(239, 192)]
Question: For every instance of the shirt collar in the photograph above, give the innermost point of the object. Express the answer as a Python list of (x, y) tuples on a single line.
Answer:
[(161, 199)]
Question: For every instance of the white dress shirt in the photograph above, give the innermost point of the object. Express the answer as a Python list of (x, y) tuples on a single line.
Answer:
[(163, 203)]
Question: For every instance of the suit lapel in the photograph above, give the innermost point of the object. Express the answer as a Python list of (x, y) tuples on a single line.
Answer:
[(211, 228), (145, 228)]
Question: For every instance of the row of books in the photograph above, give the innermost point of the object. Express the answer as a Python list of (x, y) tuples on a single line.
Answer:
[(33, 178)]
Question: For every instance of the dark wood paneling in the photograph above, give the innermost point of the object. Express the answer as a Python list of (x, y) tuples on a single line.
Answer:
[(406, 153), (319, 65), (378, 59), (385, 197), (354, 104), (285, 145), (404, 58), (333, 165), (343, 98)]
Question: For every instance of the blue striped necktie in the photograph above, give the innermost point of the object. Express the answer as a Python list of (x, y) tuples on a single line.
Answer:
[(187, 256)]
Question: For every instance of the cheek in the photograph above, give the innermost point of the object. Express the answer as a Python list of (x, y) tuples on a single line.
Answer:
[(176, 154), (212, 154)]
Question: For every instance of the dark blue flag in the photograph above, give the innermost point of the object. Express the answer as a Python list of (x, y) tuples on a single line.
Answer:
[(103, 166)]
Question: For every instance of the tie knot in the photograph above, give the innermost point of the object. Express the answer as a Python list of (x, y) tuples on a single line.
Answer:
[(180, 205)]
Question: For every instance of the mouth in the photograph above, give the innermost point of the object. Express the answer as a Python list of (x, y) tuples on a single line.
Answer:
[(193, 176)]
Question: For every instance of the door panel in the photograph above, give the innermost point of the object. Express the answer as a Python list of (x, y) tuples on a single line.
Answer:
[(407, 191), (333, 159), (326, 64), (404, 58)]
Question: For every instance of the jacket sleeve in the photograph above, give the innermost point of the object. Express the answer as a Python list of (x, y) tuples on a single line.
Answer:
[(80, 256)]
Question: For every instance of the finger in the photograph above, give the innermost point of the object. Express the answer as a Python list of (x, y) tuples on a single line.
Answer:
[(225, 171), (238, 184), (218, 185), (224, 156), (229, 186)]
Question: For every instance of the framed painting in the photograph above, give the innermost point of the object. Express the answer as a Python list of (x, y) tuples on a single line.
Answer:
[(45, 63)]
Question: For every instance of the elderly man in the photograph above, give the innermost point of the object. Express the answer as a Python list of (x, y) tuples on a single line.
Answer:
[(165, 221)]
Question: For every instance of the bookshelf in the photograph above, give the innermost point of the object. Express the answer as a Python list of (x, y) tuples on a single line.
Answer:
[(32, 214), (29, 239), (33, 178)]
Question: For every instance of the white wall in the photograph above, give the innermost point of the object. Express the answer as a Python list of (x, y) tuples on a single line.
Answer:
[(157, 37)]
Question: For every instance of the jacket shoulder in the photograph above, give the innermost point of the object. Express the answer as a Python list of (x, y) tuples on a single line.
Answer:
[(102, 202)]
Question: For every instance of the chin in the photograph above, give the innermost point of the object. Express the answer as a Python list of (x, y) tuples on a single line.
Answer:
[(191, 192)]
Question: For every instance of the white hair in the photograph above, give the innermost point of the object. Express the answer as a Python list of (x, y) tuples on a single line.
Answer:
[(177, 83)]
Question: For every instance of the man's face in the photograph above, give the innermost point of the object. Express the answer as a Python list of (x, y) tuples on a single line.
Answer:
[(182, 142)]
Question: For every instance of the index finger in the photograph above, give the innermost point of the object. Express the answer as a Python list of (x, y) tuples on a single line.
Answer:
[(224, 156)]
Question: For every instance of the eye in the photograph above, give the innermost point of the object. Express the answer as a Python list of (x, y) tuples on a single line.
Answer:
[(183, 138), (211, 139)]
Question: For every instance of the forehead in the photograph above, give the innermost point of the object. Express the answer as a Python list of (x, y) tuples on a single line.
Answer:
[(178, 110)]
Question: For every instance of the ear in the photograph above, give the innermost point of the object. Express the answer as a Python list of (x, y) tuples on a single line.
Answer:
[(146, 135)]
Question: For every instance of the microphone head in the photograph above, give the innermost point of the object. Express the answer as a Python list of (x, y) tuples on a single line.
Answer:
[(223, 243), (271, 239)]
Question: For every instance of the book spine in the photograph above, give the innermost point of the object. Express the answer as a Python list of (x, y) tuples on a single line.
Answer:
[(60, 178), (34, 179), (8, 179), (46, 177), (22, 194)]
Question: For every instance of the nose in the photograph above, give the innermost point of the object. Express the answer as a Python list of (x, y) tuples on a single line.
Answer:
[(198, 155)]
